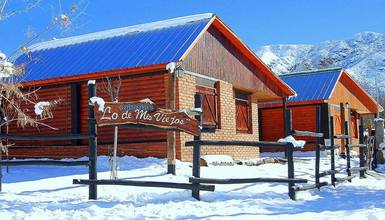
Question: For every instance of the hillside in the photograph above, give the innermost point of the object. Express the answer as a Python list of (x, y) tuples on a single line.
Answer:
[(363, 56)]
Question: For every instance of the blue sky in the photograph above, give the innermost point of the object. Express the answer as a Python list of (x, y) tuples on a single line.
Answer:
[(255, 22)]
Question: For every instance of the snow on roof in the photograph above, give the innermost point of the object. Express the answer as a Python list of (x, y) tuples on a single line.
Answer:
[(120, 31)]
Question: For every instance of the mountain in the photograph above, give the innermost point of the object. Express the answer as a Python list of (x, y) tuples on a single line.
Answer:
[(363, 56)]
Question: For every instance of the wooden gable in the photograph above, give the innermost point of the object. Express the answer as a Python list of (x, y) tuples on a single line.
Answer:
[(348, 91), (215, 55)]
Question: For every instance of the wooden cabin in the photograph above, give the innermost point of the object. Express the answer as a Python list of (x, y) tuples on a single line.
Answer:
[(329, 89), (211, 60)]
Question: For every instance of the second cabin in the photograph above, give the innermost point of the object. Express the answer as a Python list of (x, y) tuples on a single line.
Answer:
[(331, 90)]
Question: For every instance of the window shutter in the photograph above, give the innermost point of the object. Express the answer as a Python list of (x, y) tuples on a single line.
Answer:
[(209, 114), (242, 116), (209, 106)]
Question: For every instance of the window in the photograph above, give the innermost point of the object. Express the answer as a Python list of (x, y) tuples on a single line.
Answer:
[(209, 107), (242, 112)]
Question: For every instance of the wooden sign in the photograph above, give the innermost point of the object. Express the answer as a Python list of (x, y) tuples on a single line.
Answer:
[(144, 113)]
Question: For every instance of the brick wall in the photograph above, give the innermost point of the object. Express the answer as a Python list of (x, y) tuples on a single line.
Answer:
[(185, 99)]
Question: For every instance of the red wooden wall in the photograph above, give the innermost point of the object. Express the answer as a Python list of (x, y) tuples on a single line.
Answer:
[(61, 114), (131, 141), (272, 125)]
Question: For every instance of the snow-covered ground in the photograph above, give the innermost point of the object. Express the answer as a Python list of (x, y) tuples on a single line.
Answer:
[(48, 193)]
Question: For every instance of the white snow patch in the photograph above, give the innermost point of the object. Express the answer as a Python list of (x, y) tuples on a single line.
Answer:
[(291, 139), (39, 107), (38, 192), (120, 31), (197, 110), (6, 68), (170, 67), (147, 100), (191, 111), (99, 101), (218, 160), (91, 82)]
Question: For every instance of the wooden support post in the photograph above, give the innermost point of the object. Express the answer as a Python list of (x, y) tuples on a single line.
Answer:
[(92, 142), (348, 131), (284, 109), (342, 117), (1, 168), (290, 170), (332, 157), (370, 145), (287, 124), (75, 112), (171, 151), (325, 121), (1, 153), (361, 150), (347, 150), (379, 138), (197, 151), (317, 148), (284, 115)]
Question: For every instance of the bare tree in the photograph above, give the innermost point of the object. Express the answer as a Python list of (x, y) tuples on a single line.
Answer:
[(112, 88), (23, 7), (16, 102)]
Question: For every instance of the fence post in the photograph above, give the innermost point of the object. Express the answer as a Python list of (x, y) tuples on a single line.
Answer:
[(1, 153), (317, 148), (92, 142), (379, 138), (347, 150), (197, 150), (332, 162), (290, 169), (1, 169), (361, 150)]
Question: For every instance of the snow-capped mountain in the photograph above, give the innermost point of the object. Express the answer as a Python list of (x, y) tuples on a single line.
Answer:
[(363, 57)]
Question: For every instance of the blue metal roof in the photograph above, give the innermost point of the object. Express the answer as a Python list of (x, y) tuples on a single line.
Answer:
[(317, 85), (123, 48)]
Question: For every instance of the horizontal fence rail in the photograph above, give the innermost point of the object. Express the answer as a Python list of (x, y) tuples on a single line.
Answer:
[(246, 180), (43, 163), (145, 184), (238, 143), (342, 136), (43, 137), (307, 133), (196, 180)]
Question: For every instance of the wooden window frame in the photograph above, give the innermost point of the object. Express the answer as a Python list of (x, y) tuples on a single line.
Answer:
[(210, 127), (245, 100)]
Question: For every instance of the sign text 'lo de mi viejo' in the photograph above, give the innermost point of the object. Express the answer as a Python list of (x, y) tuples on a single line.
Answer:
[(143, 113)]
